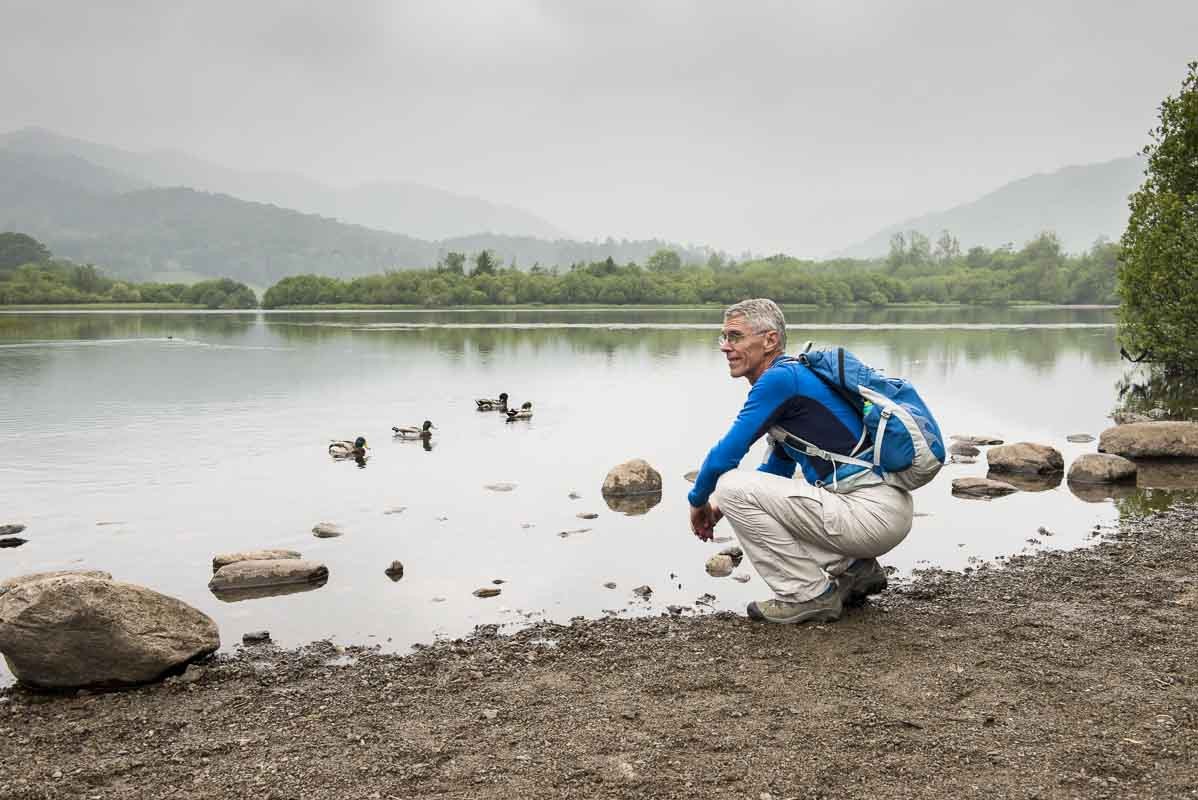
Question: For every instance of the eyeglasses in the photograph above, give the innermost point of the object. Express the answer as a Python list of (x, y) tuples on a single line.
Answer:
[(735, 337)]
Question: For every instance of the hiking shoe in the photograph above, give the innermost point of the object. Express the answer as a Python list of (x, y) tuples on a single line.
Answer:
[(825, 608), (864, 576)]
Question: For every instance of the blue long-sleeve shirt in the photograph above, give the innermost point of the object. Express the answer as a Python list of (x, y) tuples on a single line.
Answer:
[(790, 395)]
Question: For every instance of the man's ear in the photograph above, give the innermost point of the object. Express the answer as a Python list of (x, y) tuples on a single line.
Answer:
[(773, 341)]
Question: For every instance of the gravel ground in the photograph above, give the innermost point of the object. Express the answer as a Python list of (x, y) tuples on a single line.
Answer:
[(1060, 675)]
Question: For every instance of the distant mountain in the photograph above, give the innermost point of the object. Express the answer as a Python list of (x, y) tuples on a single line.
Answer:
[(92, 213), (405, 208), (1079, 203)]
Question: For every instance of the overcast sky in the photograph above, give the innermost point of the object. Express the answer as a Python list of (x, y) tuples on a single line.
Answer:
[(792, 126)]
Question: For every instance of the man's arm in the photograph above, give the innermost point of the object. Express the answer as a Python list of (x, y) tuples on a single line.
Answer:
[(764, 402)]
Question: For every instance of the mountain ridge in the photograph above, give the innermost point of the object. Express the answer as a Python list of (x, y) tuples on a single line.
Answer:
[(1080, 203)]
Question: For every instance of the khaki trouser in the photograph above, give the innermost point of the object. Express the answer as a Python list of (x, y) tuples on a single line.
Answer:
[(797, 534)]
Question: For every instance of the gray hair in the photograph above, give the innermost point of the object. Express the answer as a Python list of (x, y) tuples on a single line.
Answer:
[(762, 314)]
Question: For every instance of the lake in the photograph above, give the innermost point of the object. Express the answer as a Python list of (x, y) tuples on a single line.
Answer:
[(143, 443)]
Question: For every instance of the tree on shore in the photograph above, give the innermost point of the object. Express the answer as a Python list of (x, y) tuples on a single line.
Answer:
[(18, 249), (1158, 272)]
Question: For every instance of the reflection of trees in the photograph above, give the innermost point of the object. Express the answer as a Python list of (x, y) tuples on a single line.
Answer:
[(1146, 500), (63, 327), (1156, 392)]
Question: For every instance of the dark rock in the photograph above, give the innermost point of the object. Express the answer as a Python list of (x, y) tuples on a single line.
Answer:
[(487, 591), (643, 592), (735, 553), (255, 637), (326, 530), (587, 515), (394, 571), (12, 541), (11, 529)]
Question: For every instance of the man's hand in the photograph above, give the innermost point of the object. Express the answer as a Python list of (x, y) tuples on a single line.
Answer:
[(704, 519)]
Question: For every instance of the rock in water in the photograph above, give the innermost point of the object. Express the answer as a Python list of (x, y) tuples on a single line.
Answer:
[(981, 441), (395, 571), (1025, 457), (981, 487), (587, 515), (963, 449), (272, 572), (734, 553), (643, 592), (487, 591), (225, 559), (691, 476), (1151, 440), (255, 637), (500, 486), (11, 529), (719, 566), (326, 530), (1079, 438), (12, 541), (1101, 468), (632, 505), (73, 631), (631, 478)]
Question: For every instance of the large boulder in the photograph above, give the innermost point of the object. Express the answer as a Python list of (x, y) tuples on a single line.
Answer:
[(225, 559), (632, 478), (1101, 468), (1025, 457), (981, 488), (73, 631), (1151, 440), (11, 583), (267, 572)]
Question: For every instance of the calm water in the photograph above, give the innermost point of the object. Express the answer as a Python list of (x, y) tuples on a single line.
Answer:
[(144, 443)]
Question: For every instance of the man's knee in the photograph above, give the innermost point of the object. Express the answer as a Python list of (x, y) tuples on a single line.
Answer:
[(734, 489)]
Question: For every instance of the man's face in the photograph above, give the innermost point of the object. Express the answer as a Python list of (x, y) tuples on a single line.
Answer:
[(748, 353)]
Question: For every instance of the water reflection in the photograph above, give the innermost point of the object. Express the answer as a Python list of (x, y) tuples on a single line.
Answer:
[(260, 592), (633, 505)]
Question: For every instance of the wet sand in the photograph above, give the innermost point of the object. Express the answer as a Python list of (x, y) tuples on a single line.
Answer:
[(1060, 675)]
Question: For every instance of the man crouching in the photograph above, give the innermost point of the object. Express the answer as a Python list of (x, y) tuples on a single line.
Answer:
[(816, 548)]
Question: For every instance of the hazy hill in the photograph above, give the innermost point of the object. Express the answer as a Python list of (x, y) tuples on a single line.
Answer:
[(91, 213), (406, 208), (1079, 203)]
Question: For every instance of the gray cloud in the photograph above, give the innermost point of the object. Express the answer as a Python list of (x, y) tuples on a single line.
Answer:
[(770, 125)]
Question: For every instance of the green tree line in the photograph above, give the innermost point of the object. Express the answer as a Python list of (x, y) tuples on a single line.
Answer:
[(915, 271), (30, 275)]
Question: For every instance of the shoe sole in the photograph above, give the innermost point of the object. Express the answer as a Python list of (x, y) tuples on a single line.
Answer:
[(811, 615)]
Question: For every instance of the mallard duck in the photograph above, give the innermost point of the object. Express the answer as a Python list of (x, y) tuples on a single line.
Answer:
[(524, 412), (425, 431), (493, 403), (347, 449)]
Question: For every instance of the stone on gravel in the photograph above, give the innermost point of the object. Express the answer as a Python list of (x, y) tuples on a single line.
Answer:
[(73, 631), (225, 559), (643, 591), (1101, 468), (273, 572), (981, 441), (963, 449), (10, 583), (394, 571), (11, 529), (719, 566), (631, 478), (1079, 438), (255, 637), (981, 487), (487, 591), (12, 541), (1151, 440), (1024, 458), (326, 530)]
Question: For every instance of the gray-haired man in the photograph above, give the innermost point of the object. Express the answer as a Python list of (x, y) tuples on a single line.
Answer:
[(815, 548)]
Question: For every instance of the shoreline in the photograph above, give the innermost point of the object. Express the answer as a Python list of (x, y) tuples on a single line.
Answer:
[(1061, 674)]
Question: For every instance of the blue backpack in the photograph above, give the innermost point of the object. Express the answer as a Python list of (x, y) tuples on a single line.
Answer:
[(901, 444)]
